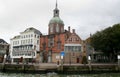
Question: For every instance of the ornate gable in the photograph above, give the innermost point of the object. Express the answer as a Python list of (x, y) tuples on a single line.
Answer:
[(73, 39)]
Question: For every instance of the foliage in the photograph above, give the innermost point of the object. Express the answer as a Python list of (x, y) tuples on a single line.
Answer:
[(107, 40), (84, 60)]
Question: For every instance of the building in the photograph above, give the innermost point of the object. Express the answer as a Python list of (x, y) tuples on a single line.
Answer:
[(57, 40), (73, 48), (26, 45), (4, 49)]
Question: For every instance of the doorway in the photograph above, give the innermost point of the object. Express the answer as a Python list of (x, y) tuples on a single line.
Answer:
[(78, 60)]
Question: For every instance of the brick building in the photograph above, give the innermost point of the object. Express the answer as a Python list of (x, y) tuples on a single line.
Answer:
[(57, 40)]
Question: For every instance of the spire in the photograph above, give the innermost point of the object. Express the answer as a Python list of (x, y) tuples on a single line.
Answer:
[(56, 3), (56, 11)]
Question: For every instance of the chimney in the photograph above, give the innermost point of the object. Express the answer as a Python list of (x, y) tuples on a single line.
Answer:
[(69, 28), (73, 30)]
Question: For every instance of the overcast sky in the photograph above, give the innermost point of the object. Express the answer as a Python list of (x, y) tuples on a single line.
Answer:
[(86, 16)]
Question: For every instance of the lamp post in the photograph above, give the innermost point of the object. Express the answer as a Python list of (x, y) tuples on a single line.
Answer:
[(61, 62), (89, 62), (118, 60), (4, 59)]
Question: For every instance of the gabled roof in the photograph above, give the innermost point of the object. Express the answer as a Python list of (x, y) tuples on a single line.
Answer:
[(3, 41), (74, 37), (16, 37), (32, 29)]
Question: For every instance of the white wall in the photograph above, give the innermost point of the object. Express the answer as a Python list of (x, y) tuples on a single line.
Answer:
[(25, 39)]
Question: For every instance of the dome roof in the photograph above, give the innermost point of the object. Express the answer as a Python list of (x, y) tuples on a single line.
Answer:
[(56, 20)]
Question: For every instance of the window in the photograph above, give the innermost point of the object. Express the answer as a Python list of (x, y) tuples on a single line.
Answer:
[(59, 45), (56, 12), (28, 41), (26, 36), (31, 41), (70, 39), (18, 42), (77, 39), (62, 29), (25, 41), (38, 42), (51, 28), (21, 42), (31, 35), (44, 45), (21, 36), (50, 42), (37, 36), (57, 28)]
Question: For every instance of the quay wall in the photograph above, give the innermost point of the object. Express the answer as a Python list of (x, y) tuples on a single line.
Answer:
[(41, 68)]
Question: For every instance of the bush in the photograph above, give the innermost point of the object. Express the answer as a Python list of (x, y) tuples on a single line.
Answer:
[(84, 60)]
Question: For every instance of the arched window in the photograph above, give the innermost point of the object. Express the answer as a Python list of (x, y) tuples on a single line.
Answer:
[(59, 45), (51, 28), (57, 28)]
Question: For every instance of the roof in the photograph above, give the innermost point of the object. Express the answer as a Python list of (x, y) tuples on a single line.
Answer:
[(32, 29), (16, 37), (56, 20), (3, 41)]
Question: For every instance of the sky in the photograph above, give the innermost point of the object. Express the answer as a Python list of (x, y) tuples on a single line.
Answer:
[(85, 16)]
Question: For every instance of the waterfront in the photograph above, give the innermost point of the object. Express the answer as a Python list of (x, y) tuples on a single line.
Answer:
[(59, 75)]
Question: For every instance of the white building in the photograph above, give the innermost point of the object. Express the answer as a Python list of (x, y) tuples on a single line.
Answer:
[(26, 45)]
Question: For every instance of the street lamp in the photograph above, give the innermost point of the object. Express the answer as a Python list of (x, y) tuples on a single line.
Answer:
[(89, 60), (4, 59), (118, 59)]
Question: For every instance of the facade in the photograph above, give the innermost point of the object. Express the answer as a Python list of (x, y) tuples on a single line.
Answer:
[(26, 45), (51, 46), (73, 49), (4, 49), (57, 40)]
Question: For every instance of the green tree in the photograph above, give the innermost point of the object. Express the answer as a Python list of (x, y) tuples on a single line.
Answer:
[(108, 41)]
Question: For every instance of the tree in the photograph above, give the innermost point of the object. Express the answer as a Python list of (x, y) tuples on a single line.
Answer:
[(107, 41)]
